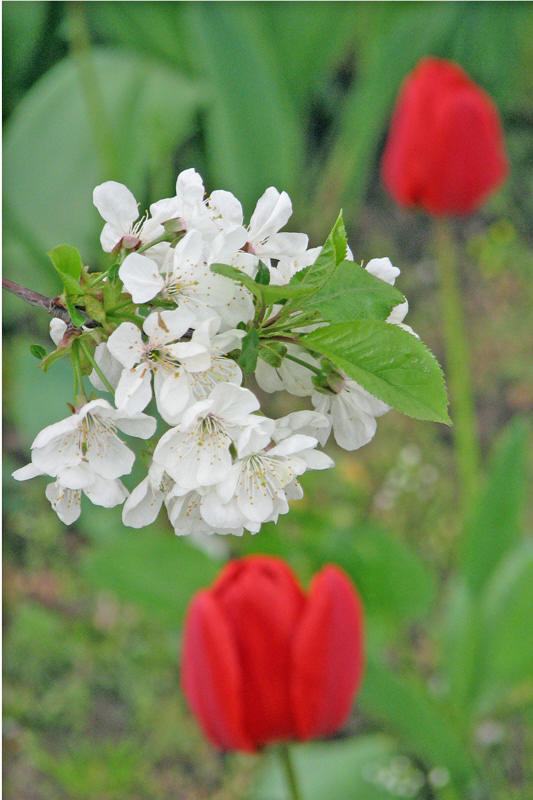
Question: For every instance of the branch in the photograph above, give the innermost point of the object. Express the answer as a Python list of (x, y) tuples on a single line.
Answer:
[(49, 304)]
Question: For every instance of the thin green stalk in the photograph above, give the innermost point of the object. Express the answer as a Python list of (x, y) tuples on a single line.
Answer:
[(90, 358), (302, 363), (96, 111), (290, 774), (466, 435), (165, 237), (79, 390)]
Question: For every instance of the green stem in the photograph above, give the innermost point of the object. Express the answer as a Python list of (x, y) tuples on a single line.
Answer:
[(290, 774), (302, 363), (165, 237), (96, 111), (91, 359), (458, 365), (79, 391)]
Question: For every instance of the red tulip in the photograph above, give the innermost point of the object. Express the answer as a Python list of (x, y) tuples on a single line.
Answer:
[(262, 661), (445, 150)]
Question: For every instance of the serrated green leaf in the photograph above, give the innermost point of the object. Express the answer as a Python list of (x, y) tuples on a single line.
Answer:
[(388, 362), (250, 351), (37, 351), (353, 293), (494, 524), (333, 252), (272, 352)]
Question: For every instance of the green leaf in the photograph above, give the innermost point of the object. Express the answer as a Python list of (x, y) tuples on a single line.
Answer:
[(333, 252), (263, 274), (49, 135), (494, 524), (272, 352), (353, 293), (407, 709), (392, 579), (250, 351), (76, 316), (392, 364), (67, 262), (253, 133), (33, 400), (508, 630), (342, 770), (54, 356), (37, 351), (95, 309)]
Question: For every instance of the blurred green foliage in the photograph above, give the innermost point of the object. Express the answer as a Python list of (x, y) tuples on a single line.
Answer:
[(297, 95)]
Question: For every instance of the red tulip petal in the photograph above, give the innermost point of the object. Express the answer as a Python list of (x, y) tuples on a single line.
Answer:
[(445, 150), (211, 675), (262, 603), (327, 662)]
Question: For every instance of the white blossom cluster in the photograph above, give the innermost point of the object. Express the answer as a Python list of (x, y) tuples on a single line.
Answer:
[(220, 465)]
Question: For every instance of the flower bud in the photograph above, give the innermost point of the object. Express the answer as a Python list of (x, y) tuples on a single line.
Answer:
[(264, 662), (445, 149)]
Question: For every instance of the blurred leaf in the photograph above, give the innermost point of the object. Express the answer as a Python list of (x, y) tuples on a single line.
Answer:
[(392, 579), (31, 399), (341, 770), (253, 133), (461, 647), (67, 261), (150, 568), (408, 710), (494, 524), (508, 628), (21, 34), (399, 37), (388, 362), (48, 141), (250, 350)]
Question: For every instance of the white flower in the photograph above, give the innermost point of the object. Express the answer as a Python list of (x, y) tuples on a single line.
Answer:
[(289, 376), (272, 212), (352, 412), (199, 380), (197, 452), (57, 330), (288, 266), (257, 487), (119, 208), (184, 278), (383, 269), (67, 502), (163, 356), (86, 444)]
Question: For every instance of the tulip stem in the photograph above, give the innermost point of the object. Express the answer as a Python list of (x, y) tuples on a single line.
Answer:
[(466, 435), (290, 774)]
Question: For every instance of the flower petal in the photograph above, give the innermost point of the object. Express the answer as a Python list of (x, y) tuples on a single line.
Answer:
[(327, 655), (212, 677)]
